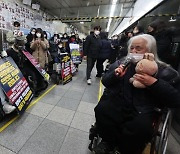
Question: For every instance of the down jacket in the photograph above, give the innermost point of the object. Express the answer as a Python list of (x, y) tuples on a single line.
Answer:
[(119, 92)]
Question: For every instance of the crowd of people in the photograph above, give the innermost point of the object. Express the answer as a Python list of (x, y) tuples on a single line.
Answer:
[(98, 48), (44, 50), (125, 113)]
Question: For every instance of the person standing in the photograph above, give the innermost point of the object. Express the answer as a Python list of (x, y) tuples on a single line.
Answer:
[(12, 35), (29, 38), (104, 53), (39, 46), (91, 51)]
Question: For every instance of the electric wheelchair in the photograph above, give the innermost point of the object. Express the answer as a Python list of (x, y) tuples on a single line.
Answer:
[(158, 143)]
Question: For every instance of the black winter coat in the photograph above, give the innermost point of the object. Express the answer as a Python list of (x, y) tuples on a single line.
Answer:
[(120, 93), (164, 40), (105, 50), (92, 46)]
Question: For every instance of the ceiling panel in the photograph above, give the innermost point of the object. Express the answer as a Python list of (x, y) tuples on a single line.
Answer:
[(86, 8)]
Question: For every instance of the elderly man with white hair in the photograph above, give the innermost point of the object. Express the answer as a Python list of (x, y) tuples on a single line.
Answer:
[(125, 114)]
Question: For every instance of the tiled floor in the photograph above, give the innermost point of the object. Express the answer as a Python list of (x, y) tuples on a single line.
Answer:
[(58, 123)]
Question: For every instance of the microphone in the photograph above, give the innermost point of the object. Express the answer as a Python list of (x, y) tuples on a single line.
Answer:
[(127, 62)]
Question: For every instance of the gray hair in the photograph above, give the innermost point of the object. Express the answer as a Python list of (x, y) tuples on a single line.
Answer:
[(151, 44)]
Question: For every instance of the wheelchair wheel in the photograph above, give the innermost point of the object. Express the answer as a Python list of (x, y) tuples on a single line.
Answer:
[(93, 137), (159, 143)]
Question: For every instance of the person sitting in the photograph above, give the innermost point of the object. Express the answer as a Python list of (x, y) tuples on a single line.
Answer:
[(124, 114)]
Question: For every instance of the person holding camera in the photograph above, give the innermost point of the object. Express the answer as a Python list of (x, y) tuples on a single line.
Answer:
[(125, 114)]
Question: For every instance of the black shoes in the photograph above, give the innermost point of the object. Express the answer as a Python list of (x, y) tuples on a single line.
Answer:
[(103, 148), (98, 75)]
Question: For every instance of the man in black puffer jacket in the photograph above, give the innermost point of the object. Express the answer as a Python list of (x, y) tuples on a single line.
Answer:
[(91, 50), (124, 114)]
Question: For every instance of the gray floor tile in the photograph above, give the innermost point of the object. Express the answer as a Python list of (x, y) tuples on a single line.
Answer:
[(4, 150), (173, 147), (93, 89), (76, 142), (86, 107), (50, 99), (82, 121), (61, 115), (58, 91), (16, 135), (66, 86), (47, 139), (79, 87), (73, 94), (40, 109), (69, 103), (90, 98)]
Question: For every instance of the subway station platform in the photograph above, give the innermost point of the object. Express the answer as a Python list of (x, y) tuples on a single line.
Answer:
[(58, 121)]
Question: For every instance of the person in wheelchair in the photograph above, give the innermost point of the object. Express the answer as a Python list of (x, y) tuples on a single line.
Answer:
[(125, 114), (33, 77)]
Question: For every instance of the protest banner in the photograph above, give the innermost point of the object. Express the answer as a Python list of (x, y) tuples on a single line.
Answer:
[(14, 84), (66, 68), (35, 63), (75, 53)]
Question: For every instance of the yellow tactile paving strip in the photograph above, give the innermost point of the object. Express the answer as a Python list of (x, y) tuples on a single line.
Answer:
[(32, 103)]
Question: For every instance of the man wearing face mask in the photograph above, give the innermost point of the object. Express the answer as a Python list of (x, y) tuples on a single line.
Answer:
[(125, 113), (91, 51), (11, 35)]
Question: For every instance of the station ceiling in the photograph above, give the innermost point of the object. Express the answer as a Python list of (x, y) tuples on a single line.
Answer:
[(92, 12)]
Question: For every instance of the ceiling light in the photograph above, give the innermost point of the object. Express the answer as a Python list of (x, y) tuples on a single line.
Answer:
[(113, 6)]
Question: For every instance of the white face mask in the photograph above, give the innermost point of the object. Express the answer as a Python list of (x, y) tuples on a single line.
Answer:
[(135, 57), (60, 46), (38, 35), (32, 33), (96, 32)]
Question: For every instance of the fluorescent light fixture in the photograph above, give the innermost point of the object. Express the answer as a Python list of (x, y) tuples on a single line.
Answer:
[(111, 14), (138, 12)]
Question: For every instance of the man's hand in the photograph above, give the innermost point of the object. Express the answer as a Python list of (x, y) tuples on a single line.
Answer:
[(120, 71), (145, 79)]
